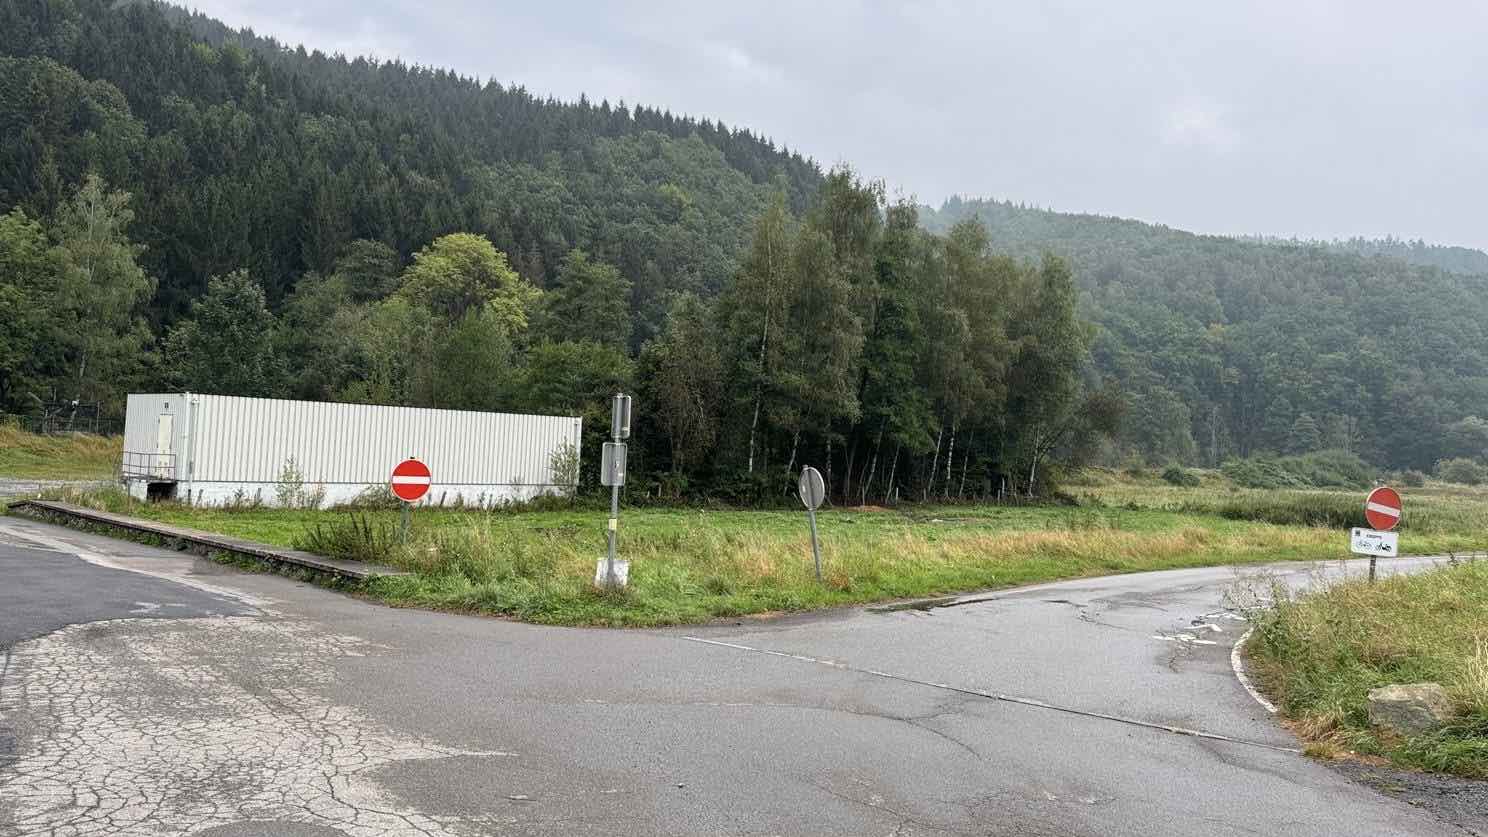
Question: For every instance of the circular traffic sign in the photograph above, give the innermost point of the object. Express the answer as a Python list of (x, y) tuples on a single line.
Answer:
[(411, 480), (1382, 509), (812, 488)]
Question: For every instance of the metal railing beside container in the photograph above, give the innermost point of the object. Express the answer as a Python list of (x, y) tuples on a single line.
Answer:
[(150, 466)]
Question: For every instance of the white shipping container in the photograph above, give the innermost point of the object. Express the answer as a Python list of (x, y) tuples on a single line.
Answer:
[(219, 449)]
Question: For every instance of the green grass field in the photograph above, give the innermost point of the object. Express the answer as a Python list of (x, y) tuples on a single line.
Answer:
[(1320, 654), (1437, 517), (692, 565), (75, 457)]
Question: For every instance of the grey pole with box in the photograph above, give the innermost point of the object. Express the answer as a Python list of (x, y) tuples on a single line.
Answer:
[(612, 473)]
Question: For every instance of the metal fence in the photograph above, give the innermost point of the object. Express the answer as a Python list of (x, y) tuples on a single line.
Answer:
[(61, 417)]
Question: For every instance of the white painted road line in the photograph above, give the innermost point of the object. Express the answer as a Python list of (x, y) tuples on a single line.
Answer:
[(1237, 662)]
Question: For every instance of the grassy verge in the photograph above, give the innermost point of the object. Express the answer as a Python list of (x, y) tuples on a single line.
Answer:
[(1319, 655), (692, 565), (1438, 518), (74, 457)]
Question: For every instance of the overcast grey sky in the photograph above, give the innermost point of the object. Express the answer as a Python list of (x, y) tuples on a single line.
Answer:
[(1284, 117)]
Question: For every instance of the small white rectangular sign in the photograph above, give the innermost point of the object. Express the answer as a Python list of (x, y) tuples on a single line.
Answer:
[(1370, 542)]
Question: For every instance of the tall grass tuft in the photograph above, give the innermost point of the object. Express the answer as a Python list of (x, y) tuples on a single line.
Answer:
[(1296, 508), (1320, 654), (352, 537), (1474, 682)]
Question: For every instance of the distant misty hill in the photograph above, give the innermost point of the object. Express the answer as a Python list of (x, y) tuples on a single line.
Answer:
[(1455, 259), (1230, 346)]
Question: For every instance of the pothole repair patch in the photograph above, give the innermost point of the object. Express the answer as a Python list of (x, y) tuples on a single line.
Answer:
[(188, 726)]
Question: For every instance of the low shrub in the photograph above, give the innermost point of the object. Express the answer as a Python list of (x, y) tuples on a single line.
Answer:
[(1260, 473), (1181, 477), (1462, 471), (1324, 469), (1331, 469), (1411, 479)]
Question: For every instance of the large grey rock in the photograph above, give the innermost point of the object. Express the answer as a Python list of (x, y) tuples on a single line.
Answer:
[(1411, 708)]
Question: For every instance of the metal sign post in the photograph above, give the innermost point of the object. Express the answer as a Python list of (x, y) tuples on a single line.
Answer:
[(612, 573), (410, 482), (813, 490), (1382, 510)]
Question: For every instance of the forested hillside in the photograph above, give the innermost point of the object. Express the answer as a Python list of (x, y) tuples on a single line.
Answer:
[(243, 154), (1229, 347), (190, 208), (1464, 260), (1452, 259)]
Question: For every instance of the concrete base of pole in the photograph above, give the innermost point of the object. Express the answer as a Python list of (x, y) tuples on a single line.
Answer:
[(601, 573)]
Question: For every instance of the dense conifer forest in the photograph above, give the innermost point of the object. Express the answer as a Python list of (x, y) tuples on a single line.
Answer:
[(189, 207)]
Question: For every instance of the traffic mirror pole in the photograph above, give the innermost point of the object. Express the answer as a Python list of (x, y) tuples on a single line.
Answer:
[(612, 473), (614, 535), (813, 490), (815, 545)]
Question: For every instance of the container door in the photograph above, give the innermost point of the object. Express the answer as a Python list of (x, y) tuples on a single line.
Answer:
[(165, 437)]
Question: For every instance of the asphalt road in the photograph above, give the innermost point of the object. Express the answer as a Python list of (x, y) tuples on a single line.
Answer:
[(246, 704)]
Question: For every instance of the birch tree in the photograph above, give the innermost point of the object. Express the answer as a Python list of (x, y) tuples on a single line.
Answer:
[(1043, 382), (825, 344), (896, 413), (754, 316), (101, 292)]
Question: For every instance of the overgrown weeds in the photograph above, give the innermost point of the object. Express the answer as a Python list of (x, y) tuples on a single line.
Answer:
[(353, 537), (1293, 508), (1320, 653)]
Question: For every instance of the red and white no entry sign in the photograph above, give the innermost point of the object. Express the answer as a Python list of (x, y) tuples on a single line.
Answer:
[(1382, 509), (411, 480)]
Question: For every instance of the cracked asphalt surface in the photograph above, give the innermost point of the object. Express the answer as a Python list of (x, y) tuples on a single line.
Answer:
[(147, 692)]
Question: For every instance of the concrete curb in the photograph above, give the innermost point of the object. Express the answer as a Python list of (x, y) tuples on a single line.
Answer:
[(209, 541)]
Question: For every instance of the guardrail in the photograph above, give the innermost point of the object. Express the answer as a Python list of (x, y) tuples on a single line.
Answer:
[(149, 466)]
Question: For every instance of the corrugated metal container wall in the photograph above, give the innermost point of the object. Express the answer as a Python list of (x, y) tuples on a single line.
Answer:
[(144, 435), (139, 421), (251, 440), (154, 438)]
